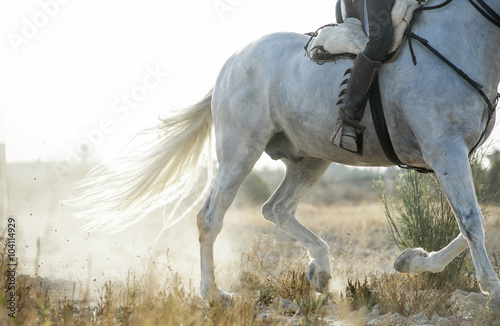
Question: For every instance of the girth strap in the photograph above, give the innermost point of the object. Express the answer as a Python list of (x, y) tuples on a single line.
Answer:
[(381, 129), (381, 125)]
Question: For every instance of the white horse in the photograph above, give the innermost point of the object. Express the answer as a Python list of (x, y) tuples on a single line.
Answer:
[(270, 97)]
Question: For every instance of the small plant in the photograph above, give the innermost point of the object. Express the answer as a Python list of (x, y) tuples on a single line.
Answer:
[(293, 284), (486, 316), (359, 295), (267, 293), (104, 305), (258, 275), (408, 295)]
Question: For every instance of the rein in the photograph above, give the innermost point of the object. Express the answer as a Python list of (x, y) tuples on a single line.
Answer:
[(489, 14), (322, 56)]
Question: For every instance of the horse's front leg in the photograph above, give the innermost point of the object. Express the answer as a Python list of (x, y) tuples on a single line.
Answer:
[(416, 260), (454, 174)]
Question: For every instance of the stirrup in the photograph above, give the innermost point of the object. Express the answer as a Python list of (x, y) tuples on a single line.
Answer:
[(335, 137)]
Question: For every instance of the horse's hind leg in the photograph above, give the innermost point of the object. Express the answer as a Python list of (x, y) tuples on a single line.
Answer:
[(237, 151), (454, 174), (281, 207)]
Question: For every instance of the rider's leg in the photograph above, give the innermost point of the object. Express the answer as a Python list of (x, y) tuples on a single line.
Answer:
[(378, 25), (345, 133)]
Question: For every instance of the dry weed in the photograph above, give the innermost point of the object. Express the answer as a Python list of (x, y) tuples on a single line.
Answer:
[(267, 279), (359, 295), (409, 294)]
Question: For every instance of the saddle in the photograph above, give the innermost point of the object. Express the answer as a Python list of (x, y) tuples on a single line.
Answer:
[(349, 37)]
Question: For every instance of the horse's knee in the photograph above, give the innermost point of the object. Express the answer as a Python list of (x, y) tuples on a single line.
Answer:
[(267, 212), (471, 226), (202, 214), (209, 226), (209, 229)]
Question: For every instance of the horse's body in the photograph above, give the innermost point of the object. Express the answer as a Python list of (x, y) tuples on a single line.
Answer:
[(270, 97)]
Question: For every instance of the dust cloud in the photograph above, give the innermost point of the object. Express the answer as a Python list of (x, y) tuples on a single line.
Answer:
[(53, 245)]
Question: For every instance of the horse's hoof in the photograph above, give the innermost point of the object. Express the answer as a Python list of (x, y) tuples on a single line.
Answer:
[(217, 296), (410, 260), (224, 297), (317, 277)]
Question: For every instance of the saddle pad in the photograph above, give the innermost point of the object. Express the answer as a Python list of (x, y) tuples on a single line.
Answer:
[(349, 36)]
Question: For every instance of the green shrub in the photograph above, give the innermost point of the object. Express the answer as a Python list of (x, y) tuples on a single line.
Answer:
[(254, 191)]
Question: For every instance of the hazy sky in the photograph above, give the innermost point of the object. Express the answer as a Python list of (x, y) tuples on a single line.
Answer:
[(81, 76)]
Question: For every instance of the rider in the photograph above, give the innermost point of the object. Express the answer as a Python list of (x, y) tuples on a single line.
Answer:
[(375, 17)]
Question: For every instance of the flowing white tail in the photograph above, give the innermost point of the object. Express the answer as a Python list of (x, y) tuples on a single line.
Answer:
[(172, 169)]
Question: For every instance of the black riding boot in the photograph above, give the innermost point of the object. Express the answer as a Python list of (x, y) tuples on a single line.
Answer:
[(348, 127)]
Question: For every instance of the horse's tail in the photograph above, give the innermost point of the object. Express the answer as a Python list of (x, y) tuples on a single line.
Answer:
[(172, 170)]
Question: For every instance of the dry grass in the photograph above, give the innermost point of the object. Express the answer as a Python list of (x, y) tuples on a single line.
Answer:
[(409, 295), (148, 301), (270, 287)]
